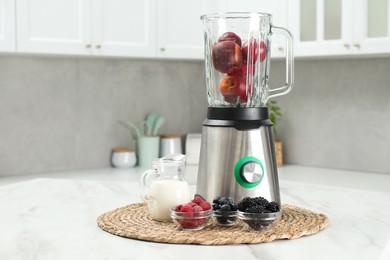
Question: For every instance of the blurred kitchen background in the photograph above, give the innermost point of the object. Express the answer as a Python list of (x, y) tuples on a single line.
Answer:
[(71, 69)]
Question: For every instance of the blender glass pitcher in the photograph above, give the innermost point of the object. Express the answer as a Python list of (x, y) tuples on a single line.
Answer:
[(237, 55)]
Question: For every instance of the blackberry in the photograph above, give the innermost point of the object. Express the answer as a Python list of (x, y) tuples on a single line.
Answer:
[(246, 203), (273, 206), (261, 201), (241, 206), (256, 209), (255, 225)]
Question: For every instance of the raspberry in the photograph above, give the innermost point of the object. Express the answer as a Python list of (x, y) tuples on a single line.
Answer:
[(197, 200), (193, 204), (201, 221), (205, 205), (178, 207), (186, 223), (187, 209), (197, 209), (195, 223)]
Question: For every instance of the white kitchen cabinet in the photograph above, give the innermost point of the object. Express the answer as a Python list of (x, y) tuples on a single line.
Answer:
[(340, 27), (148, 28), (278, 10), (321, 27), (98, 27), (372, 27), (179, 28), (7, 25), (180, 33), (54, 26), (124, 28)]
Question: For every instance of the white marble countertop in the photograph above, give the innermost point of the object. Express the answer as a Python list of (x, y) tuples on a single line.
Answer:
[(53, 216)]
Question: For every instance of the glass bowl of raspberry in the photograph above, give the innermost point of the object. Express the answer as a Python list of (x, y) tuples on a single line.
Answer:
[(193, 215)]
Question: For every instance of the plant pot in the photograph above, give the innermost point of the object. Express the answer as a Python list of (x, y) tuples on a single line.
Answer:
[(279, 153)]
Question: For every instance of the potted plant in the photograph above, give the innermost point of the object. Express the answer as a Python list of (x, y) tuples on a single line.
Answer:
[(275, 115)]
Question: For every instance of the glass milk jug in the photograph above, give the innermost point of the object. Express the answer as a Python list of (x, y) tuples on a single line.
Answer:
[(164, 187)]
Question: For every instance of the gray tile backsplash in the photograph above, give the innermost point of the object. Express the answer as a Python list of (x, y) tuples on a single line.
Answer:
[(338, 114), (61, 113)]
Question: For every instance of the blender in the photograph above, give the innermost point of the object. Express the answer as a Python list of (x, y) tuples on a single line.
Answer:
[(237, 157)]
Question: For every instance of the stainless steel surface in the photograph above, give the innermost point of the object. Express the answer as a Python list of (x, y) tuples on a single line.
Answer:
[(252, 173), (222, 148)]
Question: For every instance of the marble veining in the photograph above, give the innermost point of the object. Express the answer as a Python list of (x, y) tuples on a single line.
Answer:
[(48, 218)]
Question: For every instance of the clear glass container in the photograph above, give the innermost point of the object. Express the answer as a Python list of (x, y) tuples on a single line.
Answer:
[(164, 186), (237, 56)]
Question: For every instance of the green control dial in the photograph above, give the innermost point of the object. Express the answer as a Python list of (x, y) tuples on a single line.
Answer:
[(249, 172)]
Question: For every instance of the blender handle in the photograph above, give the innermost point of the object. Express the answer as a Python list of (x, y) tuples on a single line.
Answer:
[(289, 64)]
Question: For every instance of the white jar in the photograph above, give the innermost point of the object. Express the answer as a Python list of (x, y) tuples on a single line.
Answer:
[(170, 144), (123, 158)]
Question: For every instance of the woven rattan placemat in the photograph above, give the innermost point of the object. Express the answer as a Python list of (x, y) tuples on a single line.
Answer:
[(132, 221)]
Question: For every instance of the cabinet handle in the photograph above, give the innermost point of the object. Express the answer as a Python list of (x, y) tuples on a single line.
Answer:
[(356, 45), (280, 49), (347, 46), (162, 49), (98, 46), (88, 46)]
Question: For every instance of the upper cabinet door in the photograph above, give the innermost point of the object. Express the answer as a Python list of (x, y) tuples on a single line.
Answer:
[(322, 27), (180, 30), (124, 28), (278, 10), (54, 26), (372, 26), (7, 25)]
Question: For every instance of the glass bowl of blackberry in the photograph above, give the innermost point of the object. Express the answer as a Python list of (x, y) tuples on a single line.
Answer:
[(191, 220), (258, 214), (225, 211)]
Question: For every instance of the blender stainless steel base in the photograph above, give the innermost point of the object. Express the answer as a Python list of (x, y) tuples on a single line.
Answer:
[(239, 162)]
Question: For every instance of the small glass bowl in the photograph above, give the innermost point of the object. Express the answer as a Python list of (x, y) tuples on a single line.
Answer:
[(225, 218), (259, 221), (191, 220)]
